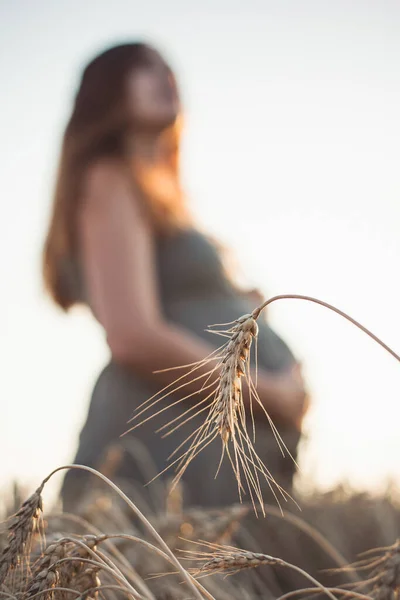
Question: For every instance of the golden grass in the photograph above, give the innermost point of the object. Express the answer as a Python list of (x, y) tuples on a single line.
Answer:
[(111, 550), (223, 406), (89, 558)]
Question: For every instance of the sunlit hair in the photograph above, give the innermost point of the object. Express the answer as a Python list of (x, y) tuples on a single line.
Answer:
[(98, 128)]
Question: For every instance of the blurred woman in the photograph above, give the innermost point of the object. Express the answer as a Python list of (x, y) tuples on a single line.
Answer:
[(121, 241)]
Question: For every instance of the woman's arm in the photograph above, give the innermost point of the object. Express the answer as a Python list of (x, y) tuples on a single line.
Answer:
[(117, 253)]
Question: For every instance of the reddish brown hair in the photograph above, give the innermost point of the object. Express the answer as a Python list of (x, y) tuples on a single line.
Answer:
[(97, 128)]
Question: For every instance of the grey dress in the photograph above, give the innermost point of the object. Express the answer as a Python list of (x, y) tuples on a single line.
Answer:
[(195, 293)]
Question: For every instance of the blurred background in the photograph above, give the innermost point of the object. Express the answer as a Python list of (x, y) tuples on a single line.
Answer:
[(291, 158)]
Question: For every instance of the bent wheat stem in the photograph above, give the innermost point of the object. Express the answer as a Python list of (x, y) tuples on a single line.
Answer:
[(226, 415)]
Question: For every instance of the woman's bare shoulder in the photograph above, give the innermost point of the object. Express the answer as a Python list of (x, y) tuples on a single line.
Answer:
[(107, 179)]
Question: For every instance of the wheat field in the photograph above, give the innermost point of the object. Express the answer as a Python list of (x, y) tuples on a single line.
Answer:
[(339, 544)]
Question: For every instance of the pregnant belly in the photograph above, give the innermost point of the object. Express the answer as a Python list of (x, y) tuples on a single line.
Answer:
[(198, 314)]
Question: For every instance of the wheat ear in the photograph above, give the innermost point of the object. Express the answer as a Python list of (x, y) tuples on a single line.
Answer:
[(20, 531), (197, 590), (384, 572), (230, 560), (226, 415)]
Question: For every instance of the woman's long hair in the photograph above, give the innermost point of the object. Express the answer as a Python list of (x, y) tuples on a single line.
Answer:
[(97, 128)]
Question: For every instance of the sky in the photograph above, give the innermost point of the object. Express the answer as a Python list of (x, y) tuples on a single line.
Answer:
[(291, 158)]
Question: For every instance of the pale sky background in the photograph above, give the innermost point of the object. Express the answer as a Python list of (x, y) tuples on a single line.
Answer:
[(291, 157)]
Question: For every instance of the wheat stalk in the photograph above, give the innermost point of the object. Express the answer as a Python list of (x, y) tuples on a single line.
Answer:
[(384, 572), (125, 568), (198, 591), (334, 590), (20, 531), (226, 413), (230, 560), (226, 416)]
